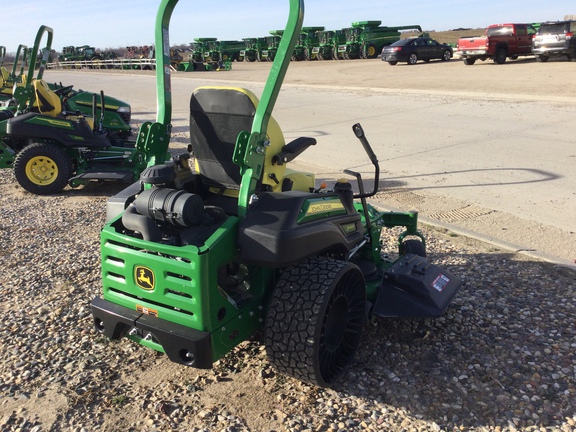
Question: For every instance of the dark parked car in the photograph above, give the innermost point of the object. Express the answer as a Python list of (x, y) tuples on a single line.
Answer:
[(413, 49), (555, 39)]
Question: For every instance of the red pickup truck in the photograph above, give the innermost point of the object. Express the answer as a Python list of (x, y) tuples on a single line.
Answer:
[(499, 42)]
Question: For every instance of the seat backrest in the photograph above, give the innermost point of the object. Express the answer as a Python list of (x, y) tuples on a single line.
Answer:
[(217, 116), (4, 74), (47, 102)]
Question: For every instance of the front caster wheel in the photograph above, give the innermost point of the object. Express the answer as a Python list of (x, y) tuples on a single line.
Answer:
[(315, 320)]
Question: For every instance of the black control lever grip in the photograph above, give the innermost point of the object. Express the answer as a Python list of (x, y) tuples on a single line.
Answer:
[(359, 132)]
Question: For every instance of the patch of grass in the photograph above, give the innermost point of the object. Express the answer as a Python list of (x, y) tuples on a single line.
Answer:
[(119, 400)]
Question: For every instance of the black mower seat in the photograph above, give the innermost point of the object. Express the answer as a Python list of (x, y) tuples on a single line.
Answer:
[(217, 116)]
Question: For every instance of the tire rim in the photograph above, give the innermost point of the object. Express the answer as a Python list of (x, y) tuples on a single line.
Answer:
[(41, 170)]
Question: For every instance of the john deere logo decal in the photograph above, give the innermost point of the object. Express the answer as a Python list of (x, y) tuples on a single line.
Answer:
[(144, 278)]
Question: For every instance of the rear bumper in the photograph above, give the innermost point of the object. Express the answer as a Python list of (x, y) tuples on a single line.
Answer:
[(392, 57), (473, 53), (181, 344), (552, 51)]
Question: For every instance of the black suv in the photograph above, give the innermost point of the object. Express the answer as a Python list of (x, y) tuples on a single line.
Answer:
[(555, 38)]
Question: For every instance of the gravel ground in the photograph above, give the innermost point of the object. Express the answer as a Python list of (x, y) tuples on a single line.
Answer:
[(501, 359)]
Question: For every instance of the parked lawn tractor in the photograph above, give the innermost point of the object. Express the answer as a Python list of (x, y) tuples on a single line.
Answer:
[(219, 244), (15, 77), (117, 114), (49, 142)]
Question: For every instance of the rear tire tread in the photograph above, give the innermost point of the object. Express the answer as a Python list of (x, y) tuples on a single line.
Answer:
[(299, 305)]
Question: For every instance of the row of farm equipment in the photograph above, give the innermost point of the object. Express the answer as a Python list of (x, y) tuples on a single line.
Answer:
[(363, 39)]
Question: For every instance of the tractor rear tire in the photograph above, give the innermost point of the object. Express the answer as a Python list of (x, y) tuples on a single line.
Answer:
[(43, 169), (370, 51), (315, 319), (335, 55)]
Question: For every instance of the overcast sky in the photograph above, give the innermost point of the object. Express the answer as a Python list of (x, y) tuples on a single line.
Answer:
[(120, 23)]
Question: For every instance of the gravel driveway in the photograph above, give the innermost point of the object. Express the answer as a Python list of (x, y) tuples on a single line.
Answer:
[(501, 359)]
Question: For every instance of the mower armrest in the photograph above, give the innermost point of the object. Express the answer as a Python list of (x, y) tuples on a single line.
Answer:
[(292, 149)]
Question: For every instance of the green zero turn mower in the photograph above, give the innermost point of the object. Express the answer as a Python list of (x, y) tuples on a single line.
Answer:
[(224, 242), (52, 135)]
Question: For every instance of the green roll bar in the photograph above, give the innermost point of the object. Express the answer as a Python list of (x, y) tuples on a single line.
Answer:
[(250, 146)]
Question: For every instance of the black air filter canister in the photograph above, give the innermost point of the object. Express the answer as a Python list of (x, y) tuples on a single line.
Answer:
[(179, 208)]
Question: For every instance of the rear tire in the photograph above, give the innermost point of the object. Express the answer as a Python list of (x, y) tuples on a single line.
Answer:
[(412, 59), (500, 56), (542, 59), (446, 55), (469, 61), (43, 169), (392, 63), (315, 320)]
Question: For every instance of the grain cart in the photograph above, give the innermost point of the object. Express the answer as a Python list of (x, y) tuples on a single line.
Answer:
[(253, 49), (365, 39), (307, 41), (211, 248), (272, 43), (328, 42), (50, 145)]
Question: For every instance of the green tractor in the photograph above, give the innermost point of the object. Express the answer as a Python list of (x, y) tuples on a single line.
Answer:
[(253, 48), (272, 44), (328, 42), (50, 143), (365, 39), (227, 242), (197, 50), (307, 41), (80, 53), (201, 49)]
